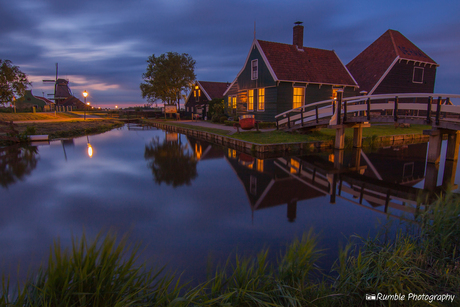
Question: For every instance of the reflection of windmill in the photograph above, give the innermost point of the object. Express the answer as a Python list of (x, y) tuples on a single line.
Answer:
[(61, 89)]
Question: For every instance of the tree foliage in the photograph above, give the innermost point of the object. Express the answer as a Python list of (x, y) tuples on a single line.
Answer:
[(167, 76), (13, 82)]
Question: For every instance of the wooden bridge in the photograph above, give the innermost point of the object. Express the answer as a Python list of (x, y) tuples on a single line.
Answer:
[(359, 112)]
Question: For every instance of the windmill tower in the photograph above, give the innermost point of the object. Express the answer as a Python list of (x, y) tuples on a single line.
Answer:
[(61, 89)]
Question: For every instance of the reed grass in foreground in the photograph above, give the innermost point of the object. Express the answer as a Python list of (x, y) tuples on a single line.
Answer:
[(423, 259)]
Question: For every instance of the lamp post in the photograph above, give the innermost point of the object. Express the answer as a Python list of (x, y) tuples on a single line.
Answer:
[(85, 93)]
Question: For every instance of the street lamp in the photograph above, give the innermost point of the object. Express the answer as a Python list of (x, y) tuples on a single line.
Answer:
[(85, 93)]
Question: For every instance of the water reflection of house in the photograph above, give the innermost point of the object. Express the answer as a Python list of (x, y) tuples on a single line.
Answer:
[(204, 150), (268, 184)]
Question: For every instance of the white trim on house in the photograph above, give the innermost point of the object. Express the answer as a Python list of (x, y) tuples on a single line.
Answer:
[(384, 75), (230, 86), (356, 83), (203, 90)]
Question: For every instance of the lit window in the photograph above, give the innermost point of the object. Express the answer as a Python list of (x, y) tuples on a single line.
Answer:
[(298, 99), (260, 165), (295, 166), (198, 151), (261, 99), (251, 100), (418, 75), (234, 102), (229, 102), (254, 69)]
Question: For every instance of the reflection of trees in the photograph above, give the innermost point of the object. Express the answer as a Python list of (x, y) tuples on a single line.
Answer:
[(16, 162), (171, 162)]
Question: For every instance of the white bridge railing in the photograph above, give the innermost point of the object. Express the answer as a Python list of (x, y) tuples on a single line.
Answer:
[(337, 110)]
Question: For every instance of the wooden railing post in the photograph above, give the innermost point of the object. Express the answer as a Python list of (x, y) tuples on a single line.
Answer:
[(339, 106), (368, 108), (344, 111), (317, 115), (395, 111), (301, 116), (289, 120), (277, 124), (438, 111), (428, 110)]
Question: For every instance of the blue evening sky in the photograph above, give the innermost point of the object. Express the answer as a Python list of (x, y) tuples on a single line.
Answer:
[(102, 46)]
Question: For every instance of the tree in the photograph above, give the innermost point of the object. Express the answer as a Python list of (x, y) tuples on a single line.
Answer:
[(167, 76), (13, 82)]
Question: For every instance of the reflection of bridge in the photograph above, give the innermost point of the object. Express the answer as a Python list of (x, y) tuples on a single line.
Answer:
[(360, 112), (352, 176)]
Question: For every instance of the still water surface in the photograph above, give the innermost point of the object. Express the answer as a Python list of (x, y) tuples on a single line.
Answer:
[(191, 203)]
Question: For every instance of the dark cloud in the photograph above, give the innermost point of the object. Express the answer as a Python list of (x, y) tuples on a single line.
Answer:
[(103, 45)]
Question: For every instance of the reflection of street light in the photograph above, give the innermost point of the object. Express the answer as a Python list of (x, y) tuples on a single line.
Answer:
[(90, 148), (85, 93)]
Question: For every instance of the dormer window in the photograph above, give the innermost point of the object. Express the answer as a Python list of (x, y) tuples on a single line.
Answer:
[(254, 69), (197, 93)]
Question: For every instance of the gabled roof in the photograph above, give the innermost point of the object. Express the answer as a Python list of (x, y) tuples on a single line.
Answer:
[(213, 89), (371, 65), (311, 65)]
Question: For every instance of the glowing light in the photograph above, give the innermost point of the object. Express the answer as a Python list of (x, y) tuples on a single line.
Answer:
[(85, 94), (90, 150)]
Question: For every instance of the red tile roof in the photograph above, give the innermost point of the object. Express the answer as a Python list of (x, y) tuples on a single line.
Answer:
[(305, 65), (213, 89), (371, 64)]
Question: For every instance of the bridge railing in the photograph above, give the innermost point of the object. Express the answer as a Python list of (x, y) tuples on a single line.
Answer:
[(431, 105)]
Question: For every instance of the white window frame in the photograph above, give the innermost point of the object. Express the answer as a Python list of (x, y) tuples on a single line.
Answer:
[(413, 74), (255, 69)]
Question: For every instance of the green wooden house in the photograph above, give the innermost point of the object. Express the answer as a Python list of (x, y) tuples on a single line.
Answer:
[(278, 77), (28, 101)]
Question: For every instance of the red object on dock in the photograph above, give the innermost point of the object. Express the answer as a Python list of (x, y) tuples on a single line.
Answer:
[(247, 122)]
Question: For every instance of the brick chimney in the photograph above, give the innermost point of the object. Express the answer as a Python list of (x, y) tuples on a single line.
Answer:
[(298, 35)]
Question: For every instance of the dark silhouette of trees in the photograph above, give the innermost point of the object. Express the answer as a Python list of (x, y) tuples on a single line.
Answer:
[(13, 82), (171, 162), (16, 162)]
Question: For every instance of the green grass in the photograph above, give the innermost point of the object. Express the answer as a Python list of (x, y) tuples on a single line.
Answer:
[(422, 259)]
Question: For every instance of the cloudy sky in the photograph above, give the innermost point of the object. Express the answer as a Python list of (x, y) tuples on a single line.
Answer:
[(102, 46)]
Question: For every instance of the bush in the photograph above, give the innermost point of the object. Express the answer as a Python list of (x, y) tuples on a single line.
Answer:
[(222, 119)]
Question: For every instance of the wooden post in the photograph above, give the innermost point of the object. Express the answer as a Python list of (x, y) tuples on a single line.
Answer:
[(428, 110), (340, 137), (344, 111), (277, 125), (434, 147), (339, 106), (368, 108), (301, 116), (438, 110), (316, 108), (448, 176), (431, 176), (395, 111), (453, 141), (358, 136), (289, 120)]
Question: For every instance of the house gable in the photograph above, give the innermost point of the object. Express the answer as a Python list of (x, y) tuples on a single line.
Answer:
[(371, 66)]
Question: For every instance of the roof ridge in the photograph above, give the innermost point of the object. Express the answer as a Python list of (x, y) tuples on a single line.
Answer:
[(304, 47), (390, 31)]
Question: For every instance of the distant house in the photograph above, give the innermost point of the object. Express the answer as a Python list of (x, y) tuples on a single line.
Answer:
[(202, 93), (29, 101), (278, 77), (393, 64)]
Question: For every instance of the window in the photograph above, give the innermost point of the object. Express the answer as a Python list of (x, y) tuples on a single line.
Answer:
[(234, 102), (229, 102), (418, 75), (299, 96), (254, 69), (260, 165), (295, 166), (197, 93), (261, 99), (251, 100)]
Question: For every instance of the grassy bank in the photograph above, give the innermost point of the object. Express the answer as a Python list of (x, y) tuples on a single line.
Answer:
[(36, 116), (422, 260)]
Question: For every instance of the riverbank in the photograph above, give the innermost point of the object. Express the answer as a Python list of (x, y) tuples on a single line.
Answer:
[(270, 142)]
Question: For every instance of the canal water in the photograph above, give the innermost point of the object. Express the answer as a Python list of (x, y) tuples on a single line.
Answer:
[(192, 204)]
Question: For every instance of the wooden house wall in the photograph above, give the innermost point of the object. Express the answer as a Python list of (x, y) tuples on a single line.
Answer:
[(264, 77), (399, 79)]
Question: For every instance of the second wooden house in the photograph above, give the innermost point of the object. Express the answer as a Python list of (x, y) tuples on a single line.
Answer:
[(203, 92)]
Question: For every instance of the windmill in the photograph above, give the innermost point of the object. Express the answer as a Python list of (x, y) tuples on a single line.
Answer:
[(61, 89)]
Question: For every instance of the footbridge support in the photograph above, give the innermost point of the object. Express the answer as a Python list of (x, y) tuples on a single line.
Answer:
[(434, 149), (357, 134)]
